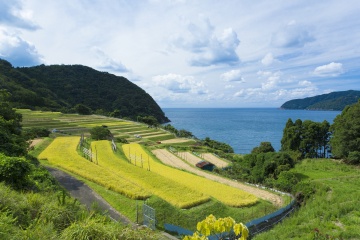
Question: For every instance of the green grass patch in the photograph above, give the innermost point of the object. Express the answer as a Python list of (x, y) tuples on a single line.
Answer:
[(188, 218), (333, 208)]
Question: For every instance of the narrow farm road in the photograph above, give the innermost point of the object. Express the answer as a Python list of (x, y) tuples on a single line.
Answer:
[(85, 194)]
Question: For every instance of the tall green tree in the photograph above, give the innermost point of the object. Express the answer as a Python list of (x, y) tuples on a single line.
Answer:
[(345, 139), (100, 133), (324, 140), (309, 138), (11, 141), (291, 135), (263, 148), (82, 109)]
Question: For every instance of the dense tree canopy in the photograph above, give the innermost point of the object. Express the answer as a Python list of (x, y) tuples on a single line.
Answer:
[(345, 141), (224, 147), (263, 148), (309, 138), (149, 120), (11, 141), (179, 133)]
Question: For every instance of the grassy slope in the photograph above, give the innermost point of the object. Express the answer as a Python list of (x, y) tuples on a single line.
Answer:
[(334, 207)]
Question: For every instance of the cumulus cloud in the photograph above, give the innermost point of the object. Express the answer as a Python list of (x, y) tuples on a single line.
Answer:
[(305, 83), (281, 94), (179, 84), (275, 87), (12, 14), (207, 48), (332, 69), (107, 63), (268, 59), (17, 51), (272, 80), (292, 36), (232, 76)]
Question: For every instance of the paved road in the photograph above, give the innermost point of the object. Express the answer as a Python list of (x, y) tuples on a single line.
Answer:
[(85, 194)]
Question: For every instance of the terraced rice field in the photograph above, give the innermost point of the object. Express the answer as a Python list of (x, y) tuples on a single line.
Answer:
[(170, 159), (189, 157), (62, 153), (228, 195), (218, 162), (78, 124), (193, 159), (150, 181), (142, 178), (137, 183), (178, 140)]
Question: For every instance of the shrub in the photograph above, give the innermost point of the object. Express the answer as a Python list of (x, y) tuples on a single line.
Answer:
[(61, 214), (353, 157), (286, 181), (121, 140), (93, 227), (14, 171), (36, 132), (100, 133), (263, 148), (8, 229)]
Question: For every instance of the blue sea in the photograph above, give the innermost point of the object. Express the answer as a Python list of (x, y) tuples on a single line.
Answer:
[(241, 128)]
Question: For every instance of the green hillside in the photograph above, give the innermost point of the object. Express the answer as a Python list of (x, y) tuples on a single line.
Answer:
[(62, 87), (331, 209), (335, 101)]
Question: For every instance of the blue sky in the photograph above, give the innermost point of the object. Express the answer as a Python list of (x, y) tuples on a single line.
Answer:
[(195, 53)]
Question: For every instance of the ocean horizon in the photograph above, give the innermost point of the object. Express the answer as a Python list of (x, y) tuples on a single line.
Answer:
[(241, 128)]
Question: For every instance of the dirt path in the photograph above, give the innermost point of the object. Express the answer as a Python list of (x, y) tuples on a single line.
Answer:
[(36, 141), (86, 195), (170, 159)]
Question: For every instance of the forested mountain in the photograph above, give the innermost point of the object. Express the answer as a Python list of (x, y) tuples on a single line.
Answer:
[(62, 87), (332, 101)]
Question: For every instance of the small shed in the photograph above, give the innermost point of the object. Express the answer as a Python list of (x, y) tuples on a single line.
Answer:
[(204, 165)]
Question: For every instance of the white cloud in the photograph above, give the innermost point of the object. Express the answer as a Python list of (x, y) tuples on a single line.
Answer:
[(292, 36), (305, 83), (264, 73), (332, 69), (272, 80), (12, 14), (179, 84), (107, 63), (17, 51), (232, 76), (229, 86), (268, 59), (208, 49)]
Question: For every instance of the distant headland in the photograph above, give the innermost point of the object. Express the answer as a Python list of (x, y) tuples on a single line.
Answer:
[(335, 101)]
